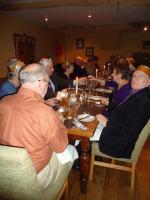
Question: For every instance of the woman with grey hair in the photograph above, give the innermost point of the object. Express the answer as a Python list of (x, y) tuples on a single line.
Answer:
[(10, 86)]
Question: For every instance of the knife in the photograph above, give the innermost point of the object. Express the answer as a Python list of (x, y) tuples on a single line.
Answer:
[(85, 117)]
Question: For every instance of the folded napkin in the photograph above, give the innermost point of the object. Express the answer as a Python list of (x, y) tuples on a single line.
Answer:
[(79, 124), (97, 132)]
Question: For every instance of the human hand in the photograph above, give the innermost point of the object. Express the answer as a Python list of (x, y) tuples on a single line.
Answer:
[(105, 101), (82, 80), (62, 94), (64, 90), (102, 119), (51, 102), (91, 77)]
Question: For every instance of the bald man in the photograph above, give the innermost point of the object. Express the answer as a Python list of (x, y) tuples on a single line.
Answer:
[(25, 121)]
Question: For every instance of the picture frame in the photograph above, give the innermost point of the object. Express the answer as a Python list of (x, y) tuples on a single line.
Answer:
[(89, 51), (25, 48), (146, 44), (79, 43)]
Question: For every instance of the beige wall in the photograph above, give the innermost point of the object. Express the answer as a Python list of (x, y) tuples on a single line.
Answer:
[(105, 43), (105, 40), (44, 39)]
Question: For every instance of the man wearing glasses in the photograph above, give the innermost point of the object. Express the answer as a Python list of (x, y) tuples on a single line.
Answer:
[(25, 121), (121, 130)]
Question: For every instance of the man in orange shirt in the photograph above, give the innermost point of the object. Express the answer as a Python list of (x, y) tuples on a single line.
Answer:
[(25, 121)]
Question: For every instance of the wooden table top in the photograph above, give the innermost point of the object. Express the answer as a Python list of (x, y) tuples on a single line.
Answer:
[(91, 108), (91, 126)]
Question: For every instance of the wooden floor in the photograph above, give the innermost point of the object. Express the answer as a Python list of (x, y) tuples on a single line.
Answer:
[(109, 184)]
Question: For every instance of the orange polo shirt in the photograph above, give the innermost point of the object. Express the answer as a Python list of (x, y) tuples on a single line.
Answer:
[(25, 121)]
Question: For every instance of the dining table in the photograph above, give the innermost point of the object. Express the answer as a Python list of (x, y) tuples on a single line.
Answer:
[(91, 106), (84, 136)]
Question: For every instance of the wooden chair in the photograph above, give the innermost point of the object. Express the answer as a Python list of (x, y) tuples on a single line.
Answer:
[(18, 179), (132, 162)]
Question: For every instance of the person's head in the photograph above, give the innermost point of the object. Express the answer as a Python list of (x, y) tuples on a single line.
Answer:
[(121, 72), (14, 65), (131, 60), (68, 67), (141, 78), (93, 59), (35, 77), (47, 62), (79, 61)]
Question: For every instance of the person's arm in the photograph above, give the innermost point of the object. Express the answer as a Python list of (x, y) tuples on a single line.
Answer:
[(102, 119), (53, 131), (81, 81), (51, 102)]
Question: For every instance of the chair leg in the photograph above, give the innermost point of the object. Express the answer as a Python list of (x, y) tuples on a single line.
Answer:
[(64, 189), (67, 191), (91, 167), (132, 177)]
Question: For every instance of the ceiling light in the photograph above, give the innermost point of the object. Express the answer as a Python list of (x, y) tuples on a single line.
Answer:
[(46, 19), (145, 28), (89, 16)]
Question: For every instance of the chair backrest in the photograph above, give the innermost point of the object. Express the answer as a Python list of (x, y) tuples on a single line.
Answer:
[(140, 142), (18, 180)]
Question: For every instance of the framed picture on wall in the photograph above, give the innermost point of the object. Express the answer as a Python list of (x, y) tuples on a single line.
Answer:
[(25, 48), (79, 43), (89, 51)]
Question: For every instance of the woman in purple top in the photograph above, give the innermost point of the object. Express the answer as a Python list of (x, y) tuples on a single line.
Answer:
[(121, 75)]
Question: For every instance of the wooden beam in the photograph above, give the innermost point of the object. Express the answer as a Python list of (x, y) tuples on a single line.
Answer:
[(59, 3)]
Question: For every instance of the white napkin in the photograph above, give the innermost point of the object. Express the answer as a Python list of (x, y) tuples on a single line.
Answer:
[(97, 132), (79, 125)]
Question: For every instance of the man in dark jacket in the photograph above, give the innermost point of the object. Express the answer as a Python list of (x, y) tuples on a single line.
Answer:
[(125, 123)]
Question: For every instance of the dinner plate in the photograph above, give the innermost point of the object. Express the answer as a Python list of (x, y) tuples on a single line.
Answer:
[(86, 117), (104, 90), (97, 98)]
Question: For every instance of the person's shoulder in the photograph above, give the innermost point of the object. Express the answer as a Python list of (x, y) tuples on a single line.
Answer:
[(5, 84), (143, 95), (6, 100), (44, 109), (144, 91), (46, 115)]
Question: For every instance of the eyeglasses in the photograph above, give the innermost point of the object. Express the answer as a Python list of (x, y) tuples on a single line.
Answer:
[(140, 77), (47, 81)]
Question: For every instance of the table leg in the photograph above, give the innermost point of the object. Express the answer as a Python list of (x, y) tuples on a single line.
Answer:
[(84, 164)]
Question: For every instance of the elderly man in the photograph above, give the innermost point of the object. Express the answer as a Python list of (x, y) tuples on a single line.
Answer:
[(51, 92), (122, 129), (25, 121), (11, 85), (57, 82)]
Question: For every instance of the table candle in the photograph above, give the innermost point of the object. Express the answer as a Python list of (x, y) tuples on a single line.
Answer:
[(77, 82), (96, 74)]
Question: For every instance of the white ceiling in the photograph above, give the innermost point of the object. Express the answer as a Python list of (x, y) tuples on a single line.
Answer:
[(71, 14)]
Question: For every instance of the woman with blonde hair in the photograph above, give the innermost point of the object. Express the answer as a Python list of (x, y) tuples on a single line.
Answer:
[(10, 86)]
